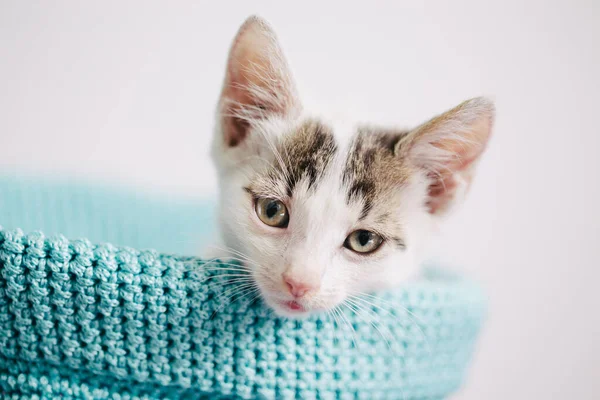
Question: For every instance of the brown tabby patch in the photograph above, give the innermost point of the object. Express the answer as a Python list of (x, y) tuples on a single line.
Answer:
[(373, 170), (303, 155)]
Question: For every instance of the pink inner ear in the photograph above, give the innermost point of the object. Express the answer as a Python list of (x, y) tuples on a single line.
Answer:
[(236, 94), (235, 130), (235, 97), (445, 186), (257, 81), (443, 190), (465, 143)]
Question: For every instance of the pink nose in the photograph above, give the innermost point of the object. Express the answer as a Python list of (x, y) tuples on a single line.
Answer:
[(298, 288)]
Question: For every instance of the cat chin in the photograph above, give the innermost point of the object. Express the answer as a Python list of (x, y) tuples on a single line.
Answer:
[(287, 313), (287, 309)]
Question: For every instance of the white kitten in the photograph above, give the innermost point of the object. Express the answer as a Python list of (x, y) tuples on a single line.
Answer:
[(326, 209)]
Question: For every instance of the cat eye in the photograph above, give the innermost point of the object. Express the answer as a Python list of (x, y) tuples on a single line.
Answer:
[(363, 241), (272, 212)]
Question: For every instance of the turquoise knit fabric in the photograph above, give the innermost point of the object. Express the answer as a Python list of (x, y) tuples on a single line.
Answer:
[(96, 321)]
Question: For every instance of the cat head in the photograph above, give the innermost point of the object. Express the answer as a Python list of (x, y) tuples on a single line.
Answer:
[(324, 210)]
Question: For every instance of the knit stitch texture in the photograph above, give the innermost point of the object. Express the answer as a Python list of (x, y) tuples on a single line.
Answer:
[(97, 321)]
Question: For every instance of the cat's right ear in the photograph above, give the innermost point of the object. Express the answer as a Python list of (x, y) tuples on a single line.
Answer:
[(258, 83)]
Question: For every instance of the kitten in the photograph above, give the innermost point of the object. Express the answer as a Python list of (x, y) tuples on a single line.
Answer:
[(323, 209)]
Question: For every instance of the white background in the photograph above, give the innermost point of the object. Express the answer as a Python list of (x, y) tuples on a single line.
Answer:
[(126, 90)]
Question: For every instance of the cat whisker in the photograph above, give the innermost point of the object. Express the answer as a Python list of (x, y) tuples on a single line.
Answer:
[(335, 317), (237, 290), (258, 294), (229, 281), (388, 312), (406, 310), (241, 293), (223, 259), (370, 319), (218, 267), (226, 267), (331, 318), (235, 265), (219, 274), (240, 256), (223, 265), (373, 323), (349, 324)]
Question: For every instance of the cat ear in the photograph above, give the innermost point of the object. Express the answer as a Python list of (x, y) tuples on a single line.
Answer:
[(258, 83), (447, 148)]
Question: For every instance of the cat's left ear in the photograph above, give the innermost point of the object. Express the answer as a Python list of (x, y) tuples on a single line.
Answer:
[(258, 82), (447, 148)]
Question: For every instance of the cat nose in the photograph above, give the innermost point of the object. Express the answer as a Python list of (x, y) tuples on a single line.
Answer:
[(297, 287)]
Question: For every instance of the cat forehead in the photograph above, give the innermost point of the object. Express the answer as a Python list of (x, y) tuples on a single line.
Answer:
[(359, 160)]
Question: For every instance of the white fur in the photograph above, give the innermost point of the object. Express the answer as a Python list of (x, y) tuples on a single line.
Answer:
[(311, 247), (312, 244)]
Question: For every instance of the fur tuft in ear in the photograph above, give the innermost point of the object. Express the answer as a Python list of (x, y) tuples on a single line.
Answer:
[(258, 82), (447, 148)]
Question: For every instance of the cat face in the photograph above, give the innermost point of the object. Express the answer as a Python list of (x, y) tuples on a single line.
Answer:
[(324, 210)]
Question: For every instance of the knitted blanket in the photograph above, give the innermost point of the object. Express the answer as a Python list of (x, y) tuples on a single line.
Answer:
[(99, 321)]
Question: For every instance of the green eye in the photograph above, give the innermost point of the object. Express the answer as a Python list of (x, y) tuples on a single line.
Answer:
[(272, 212), (362, 241)]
